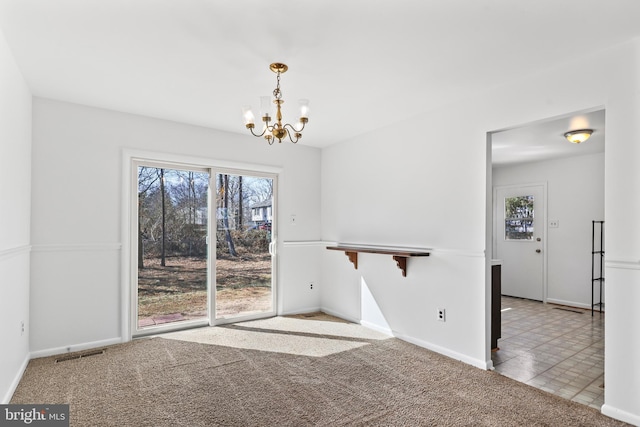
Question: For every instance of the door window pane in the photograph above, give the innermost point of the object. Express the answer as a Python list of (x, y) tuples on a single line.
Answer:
[(172, 246), (518, 218)]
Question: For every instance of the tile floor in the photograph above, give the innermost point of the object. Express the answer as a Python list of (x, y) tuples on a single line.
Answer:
[(555, 348)]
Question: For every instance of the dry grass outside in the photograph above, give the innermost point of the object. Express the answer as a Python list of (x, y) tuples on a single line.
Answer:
[(180, 288)]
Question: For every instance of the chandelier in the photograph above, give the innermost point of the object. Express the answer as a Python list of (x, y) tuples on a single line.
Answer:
[(277, 130)]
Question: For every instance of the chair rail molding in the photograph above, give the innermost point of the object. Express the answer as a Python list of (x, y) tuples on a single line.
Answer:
[(77, 247), (11, 252), (622, 263)]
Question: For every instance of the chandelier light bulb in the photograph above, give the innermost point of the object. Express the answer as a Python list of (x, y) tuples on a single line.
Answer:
[(265, 106), (304, 108), (247, 114)]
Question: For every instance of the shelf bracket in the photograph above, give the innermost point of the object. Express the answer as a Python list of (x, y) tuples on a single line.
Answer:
[(353, 257), (401, 262)]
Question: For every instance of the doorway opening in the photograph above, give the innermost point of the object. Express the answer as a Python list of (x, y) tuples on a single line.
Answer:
[(541, 341)]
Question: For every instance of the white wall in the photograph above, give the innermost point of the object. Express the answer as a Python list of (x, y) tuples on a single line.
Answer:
[(575, 197), (397, 187), (76, 295), (424, 182), (622, 242), (15, 201)]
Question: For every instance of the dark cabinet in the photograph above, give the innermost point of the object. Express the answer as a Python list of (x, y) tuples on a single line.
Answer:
[(496, 291)]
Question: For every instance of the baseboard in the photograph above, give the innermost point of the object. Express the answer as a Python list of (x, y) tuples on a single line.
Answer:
[(377, 328), (621, 415), (76, 347), (14, 384), (300, 311), (482, 364), (568, 303), (340, 315)]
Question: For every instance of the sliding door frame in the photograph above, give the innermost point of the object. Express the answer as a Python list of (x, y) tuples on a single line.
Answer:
[(131, 158)]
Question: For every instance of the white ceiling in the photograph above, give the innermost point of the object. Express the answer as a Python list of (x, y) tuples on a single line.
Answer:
[(363, 64), (545, 140)]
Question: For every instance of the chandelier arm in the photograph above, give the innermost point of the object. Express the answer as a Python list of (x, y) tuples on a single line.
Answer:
[(294, 131), (304, 123), (293, 128), (295, 141), (258, 134)]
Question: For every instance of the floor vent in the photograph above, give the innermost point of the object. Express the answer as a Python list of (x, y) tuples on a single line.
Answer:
[(80, 355), (568, 309)]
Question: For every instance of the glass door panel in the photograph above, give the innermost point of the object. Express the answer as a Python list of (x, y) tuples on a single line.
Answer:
[(172, 267), (244, 235)]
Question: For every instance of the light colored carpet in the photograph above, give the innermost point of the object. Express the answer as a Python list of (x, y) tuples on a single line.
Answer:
[(317, 336), (288, 372)]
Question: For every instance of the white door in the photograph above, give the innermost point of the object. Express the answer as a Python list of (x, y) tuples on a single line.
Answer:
[(518, 234)]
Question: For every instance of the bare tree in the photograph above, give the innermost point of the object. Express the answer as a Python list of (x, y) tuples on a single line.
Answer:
[(163, 260), (223, 188), (189, 193), (239, 224), (146, 180)]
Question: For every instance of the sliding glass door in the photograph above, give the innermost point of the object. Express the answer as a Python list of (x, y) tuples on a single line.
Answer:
[(203, 245)]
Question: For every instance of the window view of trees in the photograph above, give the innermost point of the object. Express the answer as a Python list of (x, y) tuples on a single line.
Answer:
[(237, 198), (172, 213), (173, 225), (519, 216)]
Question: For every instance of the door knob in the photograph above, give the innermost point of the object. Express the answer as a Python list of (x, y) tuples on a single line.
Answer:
[(538, 251)]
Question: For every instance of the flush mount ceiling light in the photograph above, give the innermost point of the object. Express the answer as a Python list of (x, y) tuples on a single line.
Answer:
[(277, 130), (578, 136)]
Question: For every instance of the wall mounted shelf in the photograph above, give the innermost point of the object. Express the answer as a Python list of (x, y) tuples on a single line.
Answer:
[(399, 255)]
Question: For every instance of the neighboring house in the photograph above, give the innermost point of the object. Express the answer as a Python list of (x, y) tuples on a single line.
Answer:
[(261, 213)]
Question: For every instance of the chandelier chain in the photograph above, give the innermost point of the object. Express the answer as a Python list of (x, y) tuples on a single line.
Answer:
[(276, 92)]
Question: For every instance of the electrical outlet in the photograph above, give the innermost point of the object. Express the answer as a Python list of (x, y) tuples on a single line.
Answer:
[(311, 285), (554, 223), (441, 314), (22, 327)]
